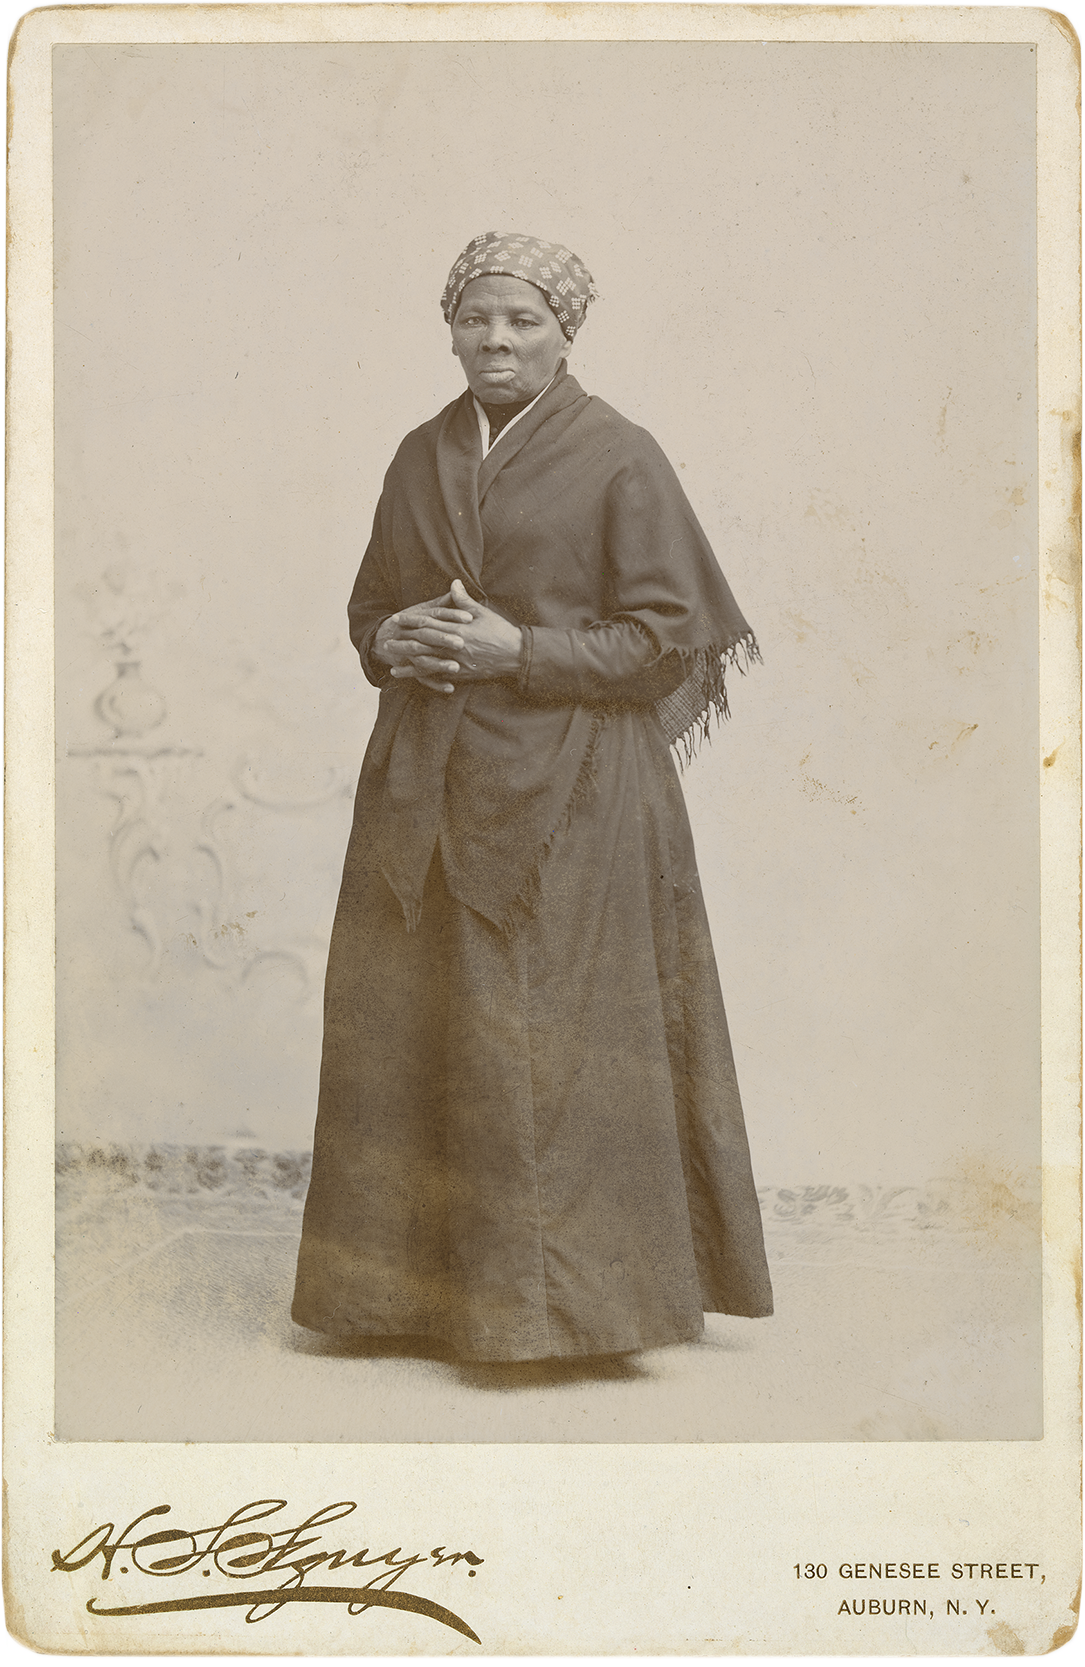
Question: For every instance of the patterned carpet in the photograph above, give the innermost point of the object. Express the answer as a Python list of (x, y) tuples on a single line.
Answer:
[(903, 1313)]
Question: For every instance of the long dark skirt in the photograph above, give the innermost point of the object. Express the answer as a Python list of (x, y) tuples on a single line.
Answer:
[(533, 1145)]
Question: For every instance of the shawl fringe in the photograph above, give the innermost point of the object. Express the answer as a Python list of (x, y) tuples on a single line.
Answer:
[(687, 712)]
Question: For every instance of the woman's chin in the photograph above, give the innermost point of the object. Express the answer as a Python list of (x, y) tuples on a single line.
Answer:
[(498, 390)]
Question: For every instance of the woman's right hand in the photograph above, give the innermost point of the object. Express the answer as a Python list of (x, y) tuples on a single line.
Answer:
[(419, 642)]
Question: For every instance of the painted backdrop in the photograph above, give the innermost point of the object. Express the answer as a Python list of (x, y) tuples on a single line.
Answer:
[(816, 268)]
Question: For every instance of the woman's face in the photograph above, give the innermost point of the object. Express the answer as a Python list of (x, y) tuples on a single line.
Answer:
[(507, 340)]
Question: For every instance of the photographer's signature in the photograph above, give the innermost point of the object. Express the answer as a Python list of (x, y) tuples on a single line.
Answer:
[(279, 1559)]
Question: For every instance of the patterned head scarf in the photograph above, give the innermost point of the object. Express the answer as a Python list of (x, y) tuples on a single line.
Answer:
[(563, 279)]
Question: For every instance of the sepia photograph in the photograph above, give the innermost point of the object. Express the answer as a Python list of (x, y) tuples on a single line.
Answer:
[(341, 472), (550, 599)]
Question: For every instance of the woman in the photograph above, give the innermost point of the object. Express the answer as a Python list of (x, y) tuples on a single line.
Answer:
[(530, 1140)]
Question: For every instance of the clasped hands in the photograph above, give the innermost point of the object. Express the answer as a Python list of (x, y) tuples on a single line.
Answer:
[(452, 636)]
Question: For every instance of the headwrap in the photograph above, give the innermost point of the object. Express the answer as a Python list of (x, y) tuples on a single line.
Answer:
[(563, 279)]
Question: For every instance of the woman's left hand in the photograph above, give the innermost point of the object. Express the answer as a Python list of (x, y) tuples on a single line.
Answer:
[(491, 645), (480, 645)]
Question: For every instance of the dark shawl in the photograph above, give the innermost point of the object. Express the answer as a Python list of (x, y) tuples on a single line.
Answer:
[(575, 528)]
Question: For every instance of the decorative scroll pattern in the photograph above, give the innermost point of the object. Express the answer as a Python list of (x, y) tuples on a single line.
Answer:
[(250, 781), (160, 837), (137, 780)]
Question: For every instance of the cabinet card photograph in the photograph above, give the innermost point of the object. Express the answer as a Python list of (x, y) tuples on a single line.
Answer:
[(543, 809)]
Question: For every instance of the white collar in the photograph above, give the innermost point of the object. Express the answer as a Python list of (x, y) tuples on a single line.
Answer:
[(484, 421)]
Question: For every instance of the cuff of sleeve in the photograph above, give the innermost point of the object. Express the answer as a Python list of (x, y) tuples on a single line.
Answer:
[(375, 670)]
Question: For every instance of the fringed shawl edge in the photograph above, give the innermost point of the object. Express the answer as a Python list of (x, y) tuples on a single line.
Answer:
[(687, 713)]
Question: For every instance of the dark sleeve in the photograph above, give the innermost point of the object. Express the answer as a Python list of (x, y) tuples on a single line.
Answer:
[(371, 602), (659, 574), (615, 662)]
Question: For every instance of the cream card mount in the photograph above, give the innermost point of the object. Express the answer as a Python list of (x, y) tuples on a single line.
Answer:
[(838, 275)]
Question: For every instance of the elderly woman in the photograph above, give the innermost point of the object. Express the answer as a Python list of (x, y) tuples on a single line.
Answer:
[(530, 1140)]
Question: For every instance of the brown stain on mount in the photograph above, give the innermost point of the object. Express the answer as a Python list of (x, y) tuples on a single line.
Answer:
[(1005, 1639), (814, 789), (1014, 500), (15, 1614), (962, 734), (1063, 565), (798, 624), (942, 414), (1063, 1634), (997, 1205), (1066, 29)]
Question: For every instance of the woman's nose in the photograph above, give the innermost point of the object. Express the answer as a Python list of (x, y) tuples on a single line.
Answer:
[(495, 338)]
